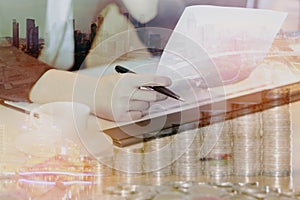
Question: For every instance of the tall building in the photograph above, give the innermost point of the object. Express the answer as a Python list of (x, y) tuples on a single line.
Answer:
[(15, 33), (35, 40), (32, 37), (30, 24)]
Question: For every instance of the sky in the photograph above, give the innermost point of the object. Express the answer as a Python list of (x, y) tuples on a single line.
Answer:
[(36, 9)]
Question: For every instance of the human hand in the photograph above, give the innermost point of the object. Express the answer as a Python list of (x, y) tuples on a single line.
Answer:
[(120, 97), (116, 97)]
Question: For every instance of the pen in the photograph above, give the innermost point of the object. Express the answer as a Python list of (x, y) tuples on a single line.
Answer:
[(160, 89)]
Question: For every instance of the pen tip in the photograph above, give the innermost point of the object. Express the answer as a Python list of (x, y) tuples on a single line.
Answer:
[(181, 99)]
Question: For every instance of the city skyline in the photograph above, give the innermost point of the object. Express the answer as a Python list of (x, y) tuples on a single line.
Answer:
[(17, 9), (32, 46), (41, 36)]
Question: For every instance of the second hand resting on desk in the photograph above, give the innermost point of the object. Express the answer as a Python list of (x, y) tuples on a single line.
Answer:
[(160, 89)]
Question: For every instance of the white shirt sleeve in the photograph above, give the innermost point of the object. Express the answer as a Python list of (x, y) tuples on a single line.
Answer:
[(59, 34)]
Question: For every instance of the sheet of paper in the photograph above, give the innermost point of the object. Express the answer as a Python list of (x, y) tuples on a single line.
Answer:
[(214, 46)]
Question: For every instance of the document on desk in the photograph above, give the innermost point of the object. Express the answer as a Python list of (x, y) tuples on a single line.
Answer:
[(212, 56), (213, 46)]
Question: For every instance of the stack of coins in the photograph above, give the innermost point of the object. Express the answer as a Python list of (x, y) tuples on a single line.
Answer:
[(158, 156), (278, 183), (277, 141), (247, 140), (128, 161), (277, 136), (186, 150), (216, 151)]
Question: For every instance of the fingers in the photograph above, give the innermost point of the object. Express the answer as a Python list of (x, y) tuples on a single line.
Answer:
[(128, 101), (147, 95), (129, 116), (138, 105), (130, 85), (139, 80), (134, 115)]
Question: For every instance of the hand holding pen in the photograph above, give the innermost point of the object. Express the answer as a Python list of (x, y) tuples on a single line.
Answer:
[(160, 89)]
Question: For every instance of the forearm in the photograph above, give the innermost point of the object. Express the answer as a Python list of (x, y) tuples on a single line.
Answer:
[(54, 85), (58, 85)]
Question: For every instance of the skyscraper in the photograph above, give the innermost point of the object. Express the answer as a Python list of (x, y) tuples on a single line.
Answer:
[(32, 37), (30, 24), (35, 40), (15, 33)]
